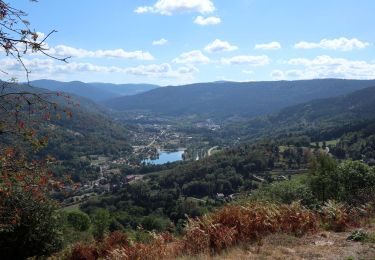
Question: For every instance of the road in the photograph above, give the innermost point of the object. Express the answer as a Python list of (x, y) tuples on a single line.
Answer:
[(153, 141), (209, 152)]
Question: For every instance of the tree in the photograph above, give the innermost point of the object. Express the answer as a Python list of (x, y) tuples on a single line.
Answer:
[(20, 103), (28, 221), (352, 182), (153, 222), (287, 192), (100, 220), (17, 38), (80, 221), (323, 177), (356, 182)]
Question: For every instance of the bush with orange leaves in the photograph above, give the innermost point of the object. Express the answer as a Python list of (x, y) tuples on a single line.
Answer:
[(161, 247), (18, 175), (99, 249), (234, 224), (117, 246), (29, 223)]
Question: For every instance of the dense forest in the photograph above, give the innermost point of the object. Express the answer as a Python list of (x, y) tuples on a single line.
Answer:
[(232, 99)]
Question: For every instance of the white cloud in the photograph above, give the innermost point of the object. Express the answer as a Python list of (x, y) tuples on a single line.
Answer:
[(327, 67), (294, 74), (187, 69), (278, 74), (341, 44), (169, 7), (290, 74), (268, 46), (219, 45), (192, 57), (246, 60), (212, 20), (48, 68), (9, 64), (67, 51), (144, 9), (162, 41), (248, 71)]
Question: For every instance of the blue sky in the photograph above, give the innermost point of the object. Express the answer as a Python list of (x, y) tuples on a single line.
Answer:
[(183, 41)]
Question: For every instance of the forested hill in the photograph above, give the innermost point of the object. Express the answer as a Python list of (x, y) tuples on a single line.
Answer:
[(88, 131), (247, 99), (319, 114), (354, 106), (350, 120), (347, 119), (97, 92)]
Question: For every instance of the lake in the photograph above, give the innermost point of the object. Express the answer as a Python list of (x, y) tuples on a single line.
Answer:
[(166, 156)]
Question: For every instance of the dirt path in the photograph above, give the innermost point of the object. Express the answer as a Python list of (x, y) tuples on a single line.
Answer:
[(324, 245)]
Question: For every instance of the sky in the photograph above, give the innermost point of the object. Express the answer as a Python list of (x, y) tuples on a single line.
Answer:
[(174, 42)]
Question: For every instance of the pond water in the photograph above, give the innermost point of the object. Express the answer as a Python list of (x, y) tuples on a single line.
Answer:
[(166, 156)]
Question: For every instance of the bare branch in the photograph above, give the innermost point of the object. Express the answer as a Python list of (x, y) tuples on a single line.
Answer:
[(16, 37)]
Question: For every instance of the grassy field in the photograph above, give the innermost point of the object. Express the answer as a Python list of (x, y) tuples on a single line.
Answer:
[(329, 142), (70, 208)]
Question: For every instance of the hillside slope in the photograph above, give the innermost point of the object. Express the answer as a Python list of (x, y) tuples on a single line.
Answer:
[(357, 105), (225, 99), (88, 131), (329, 118), (348, 120)]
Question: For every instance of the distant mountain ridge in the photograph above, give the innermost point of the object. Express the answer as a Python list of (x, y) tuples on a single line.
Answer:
[(327, 118), (226, 99), (357, 105), (97, 92)]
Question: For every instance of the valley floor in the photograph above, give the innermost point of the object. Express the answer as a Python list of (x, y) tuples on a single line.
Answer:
[(320, 246)]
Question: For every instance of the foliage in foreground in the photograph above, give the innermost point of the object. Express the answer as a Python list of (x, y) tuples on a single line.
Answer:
[(28, 220), (222, 229)]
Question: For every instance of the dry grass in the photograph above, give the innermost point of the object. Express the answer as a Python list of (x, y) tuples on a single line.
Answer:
[(232, 231), (328, 246), (162, 247), (235, 224)]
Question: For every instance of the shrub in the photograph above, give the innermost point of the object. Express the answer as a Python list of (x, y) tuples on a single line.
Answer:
[(352, 182), (233, 224), (117, 238), (93, 251), (157, 249), (29, 224), (357, 235), (323, 178), (36, 231), (78, 220), (153, 222), (287, 192), (338, 216), (356, 182), (84, 251), (100, 220), (196, 239)]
